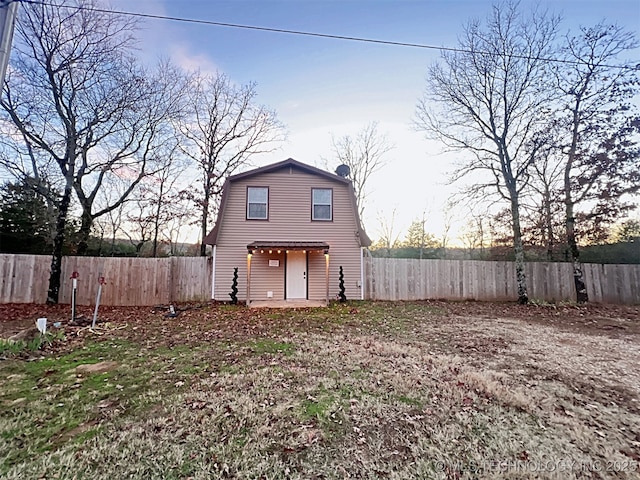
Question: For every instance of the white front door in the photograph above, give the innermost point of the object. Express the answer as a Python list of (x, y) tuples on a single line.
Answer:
[(296, 275)]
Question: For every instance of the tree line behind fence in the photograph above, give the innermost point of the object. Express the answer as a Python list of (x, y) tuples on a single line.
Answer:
[(151, 281)]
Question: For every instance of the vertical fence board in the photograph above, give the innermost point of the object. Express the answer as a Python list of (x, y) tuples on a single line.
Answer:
[(194, 277), (23, 278), (593, 275)]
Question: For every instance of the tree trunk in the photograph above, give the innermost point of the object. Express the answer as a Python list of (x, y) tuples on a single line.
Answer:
[(570, 220), (58, 242), (521, 278), (85, 231), (548, 220), (205, 216), (578, 278), (421, 237), (203, 247), (550, 243), (100, 244), (156, 220), (156, 227)]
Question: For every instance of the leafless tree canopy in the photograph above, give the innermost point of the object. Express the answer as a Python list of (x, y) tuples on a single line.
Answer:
[(550, 134), (389, 235), (81, 109), (598, 124), (488, 101), (491, 100), (364, 155), (224, 128)]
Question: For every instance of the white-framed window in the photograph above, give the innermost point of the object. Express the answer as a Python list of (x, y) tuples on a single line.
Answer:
[(322, 204), (257, 203)]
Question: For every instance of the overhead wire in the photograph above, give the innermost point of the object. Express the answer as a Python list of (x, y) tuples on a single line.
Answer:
[(306, 33)]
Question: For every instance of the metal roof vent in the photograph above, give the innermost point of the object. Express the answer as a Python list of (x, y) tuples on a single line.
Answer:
[(343, 171)]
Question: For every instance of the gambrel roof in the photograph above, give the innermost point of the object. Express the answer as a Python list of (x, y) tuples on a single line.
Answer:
[(212, 237)]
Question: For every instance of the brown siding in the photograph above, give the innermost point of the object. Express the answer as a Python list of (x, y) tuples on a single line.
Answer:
[(317, 280), (265, 278), (289, 220)]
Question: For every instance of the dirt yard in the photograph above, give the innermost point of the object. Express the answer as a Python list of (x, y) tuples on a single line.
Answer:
[(363, 390)]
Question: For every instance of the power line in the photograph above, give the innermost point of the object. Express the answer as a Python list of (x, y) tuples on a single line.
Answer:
[(308, 34)]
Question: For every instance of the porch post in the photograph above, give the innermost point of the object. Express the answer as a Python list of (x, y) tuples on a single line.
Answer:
[(326, 274), (248, 301)]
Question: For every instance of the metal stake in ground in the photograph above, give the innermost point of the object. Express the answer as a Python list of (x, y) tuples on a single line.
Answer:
[(74, 278), (95, 312)]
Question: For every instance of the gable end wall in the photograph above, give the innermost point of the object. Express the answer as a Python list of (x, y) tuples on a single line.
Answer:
[(289, 220)]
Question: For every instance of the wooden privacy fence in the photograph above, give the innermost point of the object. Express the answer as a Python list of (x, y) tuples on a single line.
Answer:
[(412, 279), (129, 281), (150, 281)]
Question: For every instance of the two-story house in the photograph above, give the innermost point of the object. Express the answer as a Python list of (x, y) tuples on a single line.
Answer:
[(287, 227)]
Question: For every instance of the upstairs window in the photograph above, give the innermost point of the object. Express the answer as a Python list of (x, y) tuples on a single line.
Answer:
[(322, 204), (257, 203)]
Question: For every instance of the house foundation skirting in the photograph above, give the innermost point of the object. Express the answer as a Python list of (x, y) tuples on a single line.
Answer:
[(287, 303)]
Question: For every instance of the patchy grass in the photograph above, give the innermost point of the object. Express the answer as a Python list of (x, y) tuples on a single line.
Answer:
[(366, 390), (270, 346)]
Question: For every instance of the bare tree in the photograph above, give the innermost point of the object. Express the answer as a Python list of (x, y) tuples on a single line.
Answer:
[(156, 202), (600, 155), (389, 237), (545, 187), (447, 217), (476, 234), (363, 154), (492, 93), (140, 221), (224, 129), (111, 223), (168, 201), (82, 108), (136, 151), (173, 224)]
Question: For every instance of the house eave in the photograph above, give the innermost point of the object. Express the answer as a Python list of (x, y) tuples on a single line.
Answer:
[(290, 162), (288, 245)]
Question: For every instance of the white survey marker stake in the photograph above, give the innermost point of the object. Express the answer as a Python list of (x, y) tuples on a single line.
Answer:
[(41, 324), (101, 282)]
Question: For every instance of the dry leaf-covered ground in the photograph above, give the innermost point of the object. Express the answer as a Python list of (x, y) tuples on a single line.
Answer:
[(364, 390)]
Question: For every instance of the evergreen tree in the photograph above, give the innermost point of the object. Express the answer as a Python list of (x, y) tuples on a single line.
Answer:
[(234, 287), (25, 220), (341, 294)]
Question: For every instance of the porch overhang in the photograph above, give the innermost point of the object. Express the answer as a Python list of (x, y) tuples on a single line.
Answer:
[(257, 246), (261, 247)]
